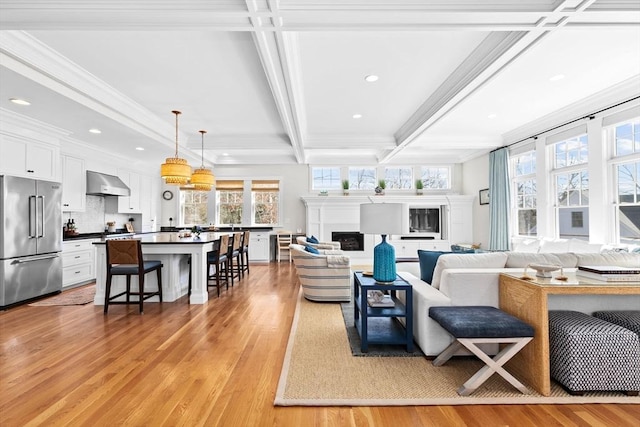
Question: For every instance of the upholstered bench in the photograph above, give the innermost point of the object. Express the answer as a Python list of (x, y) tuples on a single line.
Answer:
[(629, 319), (590, 354), (472, 325)]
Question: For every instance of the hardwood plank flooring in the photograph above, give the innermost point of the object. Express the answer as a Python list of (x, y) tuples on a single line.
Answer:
[(216, 364)]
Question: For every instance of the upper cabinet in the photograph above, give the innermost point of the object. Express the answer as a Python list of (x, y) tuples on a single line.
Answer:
[(29, 159), (130, 204), (74, 184)]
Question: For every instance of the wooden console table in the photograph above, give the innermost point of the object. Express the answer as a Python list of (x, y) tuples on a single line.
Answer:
[(529, 301)]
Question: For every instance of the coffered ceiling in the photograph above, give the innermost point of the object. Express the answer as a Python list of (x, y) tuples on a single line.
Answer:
[(279, 82)]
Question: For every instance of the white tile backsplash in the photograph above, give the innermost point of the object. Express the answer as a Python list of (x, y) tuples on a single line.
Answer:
[(94, 218)]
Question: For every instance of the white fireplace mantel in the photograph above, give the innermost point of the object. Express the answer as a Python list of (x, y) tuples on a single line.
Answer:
[(326, 214)]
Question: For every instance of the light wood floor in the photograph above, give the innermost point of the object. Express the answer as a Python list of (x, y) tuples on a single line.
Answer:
[(212, 365)]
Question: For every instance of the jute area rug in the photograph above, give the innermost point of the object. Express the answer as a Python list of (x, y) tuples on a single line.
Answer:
[(80, 296), (319, 370)]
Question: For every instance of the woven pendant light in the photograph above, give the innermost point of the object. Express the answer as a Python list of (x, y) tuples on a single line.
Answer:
[(202, 178), (175, 170)]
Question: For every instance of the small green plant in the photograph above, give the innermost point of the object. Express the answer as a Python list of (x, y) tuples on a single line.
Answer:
[(345, 184), (382, 184), (419, 184)]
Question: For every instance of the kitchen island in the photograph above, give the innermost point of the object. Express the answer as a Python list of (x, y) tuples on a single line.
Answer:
[(178, 255)]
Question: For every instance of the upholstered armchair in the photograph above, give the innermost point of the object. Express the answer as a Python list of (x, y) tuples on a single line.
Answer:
[(302, 240), (325, 276)]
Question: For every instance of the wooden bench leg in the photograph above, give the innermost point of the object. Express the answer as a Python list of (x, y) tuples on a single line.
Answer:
[(493, 365), (447, 353)]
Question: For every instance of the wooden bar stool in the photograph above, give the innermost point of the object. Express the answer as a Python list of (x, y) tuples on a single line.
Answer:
[(219, 258), (124, 258), (244, 252), (235, 260)]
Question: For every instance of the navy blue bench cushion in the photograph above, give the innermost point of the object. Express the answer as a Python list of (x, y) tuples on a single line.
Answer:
[(479, 322)]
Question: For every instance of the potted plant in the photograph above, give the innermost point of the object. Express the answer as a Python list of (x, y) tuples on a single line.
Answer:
[(345, 187), (380, 188), (419, 187)]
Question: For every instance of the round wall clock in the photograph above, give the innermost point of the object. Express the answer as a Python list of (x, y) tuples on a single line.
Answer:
[(167, 195)]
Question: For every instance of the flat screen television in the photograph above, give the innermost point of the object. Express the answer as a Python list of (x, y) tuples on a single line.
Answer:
[(425, 221)]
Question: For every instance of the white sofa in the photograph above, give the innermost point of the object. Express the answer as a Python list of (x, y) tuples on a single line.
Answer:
[(472, 279)]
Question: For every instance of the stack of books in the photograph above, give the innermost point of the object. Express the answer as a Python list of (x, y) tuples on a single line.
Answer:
[(610, 273), (385, 302)]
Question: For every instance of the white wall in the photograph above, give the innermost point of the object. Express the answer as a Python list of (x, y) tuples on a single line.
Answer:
[(293, 180), (475, 177)]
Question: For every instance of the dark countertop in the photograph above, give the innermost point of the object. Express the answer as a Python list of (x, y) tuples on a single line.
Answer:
[(163, 238), (95, 235)]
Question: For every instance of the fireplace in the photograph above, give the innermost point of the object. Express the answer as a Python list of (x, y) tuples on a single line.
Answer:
[(349, 240)]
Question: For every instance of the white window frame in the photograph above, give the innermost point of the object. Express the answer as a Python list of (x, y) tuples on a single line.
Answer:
[(516, 180)]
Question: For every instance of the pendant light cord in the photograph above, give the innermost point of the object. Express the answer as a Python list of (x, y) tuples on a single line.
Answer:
[(202, 132), (176, 113)]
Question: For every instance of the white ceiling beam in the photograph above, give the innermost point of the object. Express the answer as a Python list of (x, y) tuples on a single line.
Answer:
[(483, 64), (267, 15), (22, 53), (275, 56)]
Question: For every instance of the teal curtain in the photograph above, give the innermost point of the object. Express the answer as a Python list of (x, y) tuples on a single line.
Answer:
[(499, 208)]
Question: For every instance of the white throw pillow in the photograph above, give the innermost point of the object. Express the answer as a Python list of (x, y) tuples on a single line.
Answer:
[(486, 260), (584, 247), (527, 246), (554, 246)]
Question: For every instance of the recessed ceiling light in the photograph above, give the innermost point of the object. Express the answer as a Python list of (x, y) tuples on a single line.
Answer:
[(357, 116), (19, 101), (94, 130), (371, 78), (139, 148), (225, 154), (492, 116), (556, 77)]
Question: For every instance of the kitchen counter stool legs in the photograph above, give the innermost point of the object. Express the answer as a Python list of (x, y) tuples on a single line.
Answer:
[(124, 258)]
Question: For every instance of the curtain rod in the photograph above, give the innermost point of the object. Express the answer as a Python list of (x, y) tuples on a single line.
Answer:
[(588, 116)]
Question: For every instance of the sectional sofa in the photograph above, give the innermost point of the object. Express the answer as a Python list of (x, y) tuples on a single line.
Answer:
[(472, 279)]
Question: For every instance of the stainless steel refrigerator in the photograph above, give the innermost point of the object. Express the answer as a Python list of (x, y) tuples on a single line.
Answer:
[(31, 225)]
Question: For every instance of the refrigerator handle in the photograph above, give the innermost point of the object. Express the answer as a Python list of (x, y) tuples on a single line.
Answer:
[(32, 259), (32, 217), (41, 216)]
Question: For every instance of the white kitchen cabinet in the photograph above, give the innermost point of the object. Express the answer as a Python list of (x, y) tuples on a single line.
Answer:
[(409, 248), (148, 203), (74, 184), (126, 204), (130, 204), (259, 247), (78, 262), (29, 159)]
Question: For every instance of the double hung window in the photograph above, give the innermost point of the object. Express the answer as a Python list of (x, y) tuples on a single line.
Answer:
[(626, 144), (571, 184), (525, 193), (193, 207), (230, 204)]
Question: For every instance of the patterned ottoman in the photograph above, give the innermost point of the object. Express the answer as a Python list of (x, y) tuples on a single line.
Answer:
[(629, 319), (591, 354)]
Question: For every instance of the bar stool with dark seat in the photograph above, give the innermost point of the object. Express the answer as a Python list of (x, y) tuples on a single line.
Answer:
[(244, 252), (124, 258), (235, 269), (219, 258)]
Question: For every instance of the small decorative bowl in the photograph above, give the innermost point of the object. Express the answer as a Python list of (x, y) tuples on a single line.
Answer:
[(544, 270)]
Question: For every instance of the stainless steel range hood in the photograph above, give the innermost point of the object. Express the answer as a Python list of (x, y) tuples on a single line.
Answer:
[(100, 184)]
